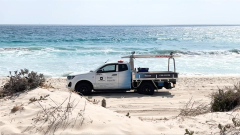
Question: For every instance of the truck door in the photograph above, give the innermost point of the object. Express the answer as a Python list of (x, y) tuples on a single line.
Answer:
[(107, 77), (124, 76)]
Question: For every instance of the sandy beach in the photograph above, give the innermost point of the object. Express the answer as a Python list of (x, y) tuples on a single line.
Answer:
[(156, 114)]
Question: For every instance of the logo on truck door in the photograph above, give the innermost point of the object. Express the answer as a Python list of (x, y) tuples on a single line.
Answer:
[(108, 79), (101, 79)]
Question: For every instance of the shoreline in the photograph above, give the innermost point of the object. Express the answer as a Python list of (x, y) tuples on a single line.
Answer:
[(180, 76)]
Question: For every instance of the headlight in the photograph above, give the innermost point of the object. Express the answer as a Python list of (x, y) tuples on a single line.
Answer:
[(70, 77)]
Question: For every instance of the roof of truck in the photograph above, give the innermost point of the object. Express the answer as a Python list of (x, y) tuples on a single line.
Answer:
[(117, 62)]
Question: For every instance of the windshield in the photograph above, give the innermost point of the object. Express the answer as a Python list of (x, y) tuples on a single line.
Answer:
[(101, 66), (96, 68)]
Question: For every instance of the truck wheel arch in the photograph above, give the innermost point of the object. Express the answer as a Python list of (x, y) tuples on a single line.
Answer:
[(146, 81), (143, 84), (84, 81)]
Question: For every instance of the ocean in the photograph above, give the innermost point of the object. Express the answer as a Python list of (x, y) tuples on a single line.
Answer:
[(58, 50)]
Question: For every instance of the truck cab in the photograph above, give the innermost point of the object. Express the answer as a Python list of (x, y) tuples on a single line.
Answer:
[(123, 76), (113, 76), (110, 76)]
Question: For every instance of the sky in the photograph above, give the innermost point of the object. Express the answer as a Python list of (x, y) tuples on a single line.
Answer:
[(120, 12)]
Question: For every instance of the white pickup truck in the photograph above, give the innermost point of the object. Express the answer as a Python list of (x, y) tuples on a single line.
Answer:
[(123, 76)]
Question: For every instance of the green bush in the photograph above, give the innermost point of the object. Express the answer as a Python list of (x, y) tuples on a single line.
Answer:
[(227, 100), (23, 80)]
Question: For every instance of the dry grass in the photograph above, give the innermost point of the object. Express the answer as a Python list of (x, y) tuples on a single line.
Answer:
[(17, 108), (57, 116), (152, 119), (94, 101), (47, 86), (73, 91), (232, 129), (40, 98), (194, 108)]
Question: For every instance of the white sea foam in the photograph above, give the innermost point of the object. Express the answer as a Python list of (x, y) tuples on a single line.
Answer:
[(56, 62)]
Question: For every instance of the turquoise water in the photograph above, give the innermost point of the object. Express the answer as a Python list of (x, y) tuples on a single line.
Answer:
[(59, 50)]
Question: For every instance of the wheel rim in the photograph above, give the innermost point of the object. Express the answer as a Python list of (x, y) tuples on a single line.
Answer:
[(83, 89), (147, 89)]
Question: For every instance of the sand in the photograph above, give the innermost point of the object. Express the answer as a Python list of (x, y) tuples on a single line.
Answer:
[(156, 114)]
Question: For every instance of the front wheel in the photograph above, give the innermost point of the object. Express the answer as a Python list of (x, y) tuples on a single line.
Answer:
[(147, 88), (84, 88)]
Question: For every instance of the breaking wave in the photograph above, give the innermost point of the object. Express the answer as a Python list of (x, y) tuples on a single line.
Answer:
[(217, 52), (112, 50)]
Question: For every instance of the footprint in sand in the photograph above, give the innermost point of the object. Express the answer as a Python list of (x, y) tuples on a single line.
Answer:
[(1, 123)]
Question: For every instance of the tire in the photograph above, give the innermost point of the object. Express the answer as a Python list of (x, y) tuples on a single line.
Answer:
[(139, 91), (84, 88), (147, 88)]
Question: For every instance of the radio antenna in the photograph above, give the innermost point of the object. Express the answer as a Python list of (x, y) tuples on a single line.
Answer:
[(106, 61)]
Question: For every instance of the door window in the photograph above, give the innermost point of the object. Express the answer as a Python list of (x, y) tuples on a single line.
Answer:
[(122, 67), (108, 68)]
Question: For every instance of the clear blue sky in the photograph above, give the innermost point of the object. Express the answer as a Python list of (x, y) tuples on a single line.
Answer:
[(120, 12)]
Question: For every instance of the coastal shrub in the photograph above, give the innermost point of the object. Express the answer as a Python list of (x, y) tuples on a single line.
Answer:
[(187, 132), (194, 108), (23, 80), (226, 99)]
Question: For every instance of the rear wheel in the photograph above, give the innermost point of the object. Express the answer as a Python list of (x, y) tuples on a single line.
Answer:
[(139, 91), (147, 88), (84, 88)]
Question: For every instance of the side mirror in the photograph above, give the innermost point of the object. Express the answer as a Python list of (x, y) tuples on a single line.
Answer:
[(99, 71)]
